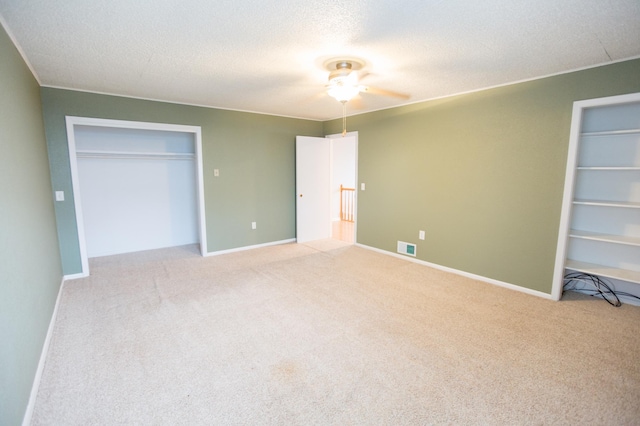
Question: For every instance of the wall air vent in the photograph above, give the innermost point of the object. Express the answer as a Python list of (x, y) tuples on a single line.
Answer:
[(407, 248)]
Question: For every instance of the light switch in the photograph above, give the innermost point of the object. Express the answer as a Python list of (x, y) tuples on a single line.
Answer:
[(421, 235), (59, 195), (253, 225), (362, 186), (216, 172)]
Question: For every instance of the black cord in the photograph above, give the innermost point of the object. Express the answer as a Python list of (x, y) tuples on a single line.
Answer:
[(582, 282)]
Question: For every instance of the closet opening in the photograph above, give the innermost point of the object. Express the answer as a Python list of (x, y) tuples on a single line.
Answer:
[(136, 186)]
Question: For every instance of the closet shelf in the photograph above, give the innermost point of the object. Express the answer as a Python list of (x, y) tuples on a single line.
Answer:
[(613, 168), (603, 271), (135, 155), (609, 238), (607, 203), (612, 132)]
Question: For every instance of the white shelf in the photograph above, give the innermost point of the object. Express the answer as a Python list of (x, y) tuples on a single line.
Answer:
[(608, 238), (136, 155), (612, 132), (606, 203), (611, 168), (603, 271)]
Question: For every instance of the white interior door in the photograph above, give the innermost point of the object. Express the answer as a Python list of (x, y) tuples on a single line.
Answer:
[(313, 188)]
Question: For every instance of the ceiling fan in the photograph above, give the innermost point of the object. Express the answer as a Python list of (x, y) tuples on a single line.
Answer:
[(344, 84), (344, 80)]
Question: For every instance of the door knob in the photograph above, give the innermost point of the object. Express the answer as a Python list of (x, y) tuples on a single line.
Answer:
[(300, 195)]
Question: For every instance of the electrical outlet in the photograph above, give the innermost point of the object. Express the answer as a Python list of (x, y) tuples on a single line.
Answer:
[(253, 225), (59, 195)]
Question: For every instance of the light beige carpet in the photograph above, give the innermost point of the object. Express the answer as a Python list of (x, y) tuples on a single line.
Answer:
[(328, 334)]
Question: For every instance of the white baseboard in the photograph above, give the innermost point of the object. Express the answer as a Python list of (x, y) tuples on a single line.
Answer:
[(234, 250), (463, 273), (26, 421), (75, 276)]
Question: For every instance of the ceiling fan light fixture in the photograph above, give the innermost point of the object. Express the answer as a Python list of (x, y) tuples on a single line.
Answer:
[(343, 70), (343, 92), (343, 78)]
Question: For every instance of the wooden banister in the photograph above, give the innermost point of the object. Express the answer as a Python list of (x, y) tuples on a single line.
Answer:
[(347, 203)]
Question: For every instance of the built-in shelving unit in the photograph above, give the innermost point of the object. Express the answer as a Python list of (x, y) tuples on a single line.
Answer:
[(600, 224)]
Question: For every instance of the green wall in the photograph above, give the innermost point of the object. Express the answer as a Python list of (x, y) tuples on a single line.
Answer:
[(255, 154), (30, 271), (481, 173)]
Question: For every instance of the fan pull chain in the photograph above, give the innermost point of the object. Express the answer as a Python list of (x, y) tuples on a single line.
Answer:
[(344, 118)]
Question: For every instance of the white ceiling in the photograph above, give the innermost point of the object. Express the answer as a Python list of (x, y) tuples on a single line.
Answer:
[(266, 55)]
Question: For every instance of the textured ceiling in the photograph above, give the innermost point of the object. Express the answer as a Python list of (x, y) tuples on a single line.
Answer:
[(266, 56)]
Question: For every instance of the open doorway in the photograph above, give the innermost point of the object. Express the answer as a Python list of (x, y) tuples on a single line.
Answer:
[(343, 186)]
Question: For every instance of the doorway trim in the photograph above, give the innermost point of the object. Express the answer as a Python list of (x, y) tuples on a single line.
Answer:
[(355, 210), (72, 121)]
